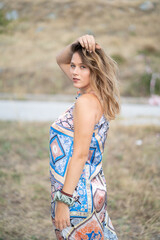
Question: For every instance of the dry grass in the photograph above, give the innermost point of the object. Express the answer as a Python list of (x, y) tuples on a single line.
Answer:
[(28, 64), (132, 174)]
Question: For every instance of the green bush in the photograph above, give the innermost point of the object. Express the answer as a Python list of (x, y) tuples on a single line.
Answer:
[(118, 58), (149, 50), (141, 86), (157, 86), (3, 20), (144, 84)]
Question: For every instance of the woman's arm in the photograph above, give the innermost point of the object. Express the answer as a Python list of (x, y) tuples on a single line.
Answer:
[(84, 120), (64, 57)]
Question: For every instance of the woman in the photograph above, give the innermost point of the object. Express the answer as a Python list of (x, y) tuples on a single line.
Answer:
[(77, 138)]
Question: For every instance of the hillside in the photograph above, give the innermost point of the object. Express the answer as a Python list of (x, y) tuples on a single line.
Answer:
[(37, 30)]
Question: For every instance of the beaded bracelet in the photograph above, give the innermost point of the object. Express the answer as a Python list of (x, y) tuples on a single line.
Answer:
[(63, 198)]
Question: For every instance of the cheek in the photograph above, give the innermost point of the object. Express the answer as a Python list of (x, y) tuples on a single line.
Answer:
[(87, 75)]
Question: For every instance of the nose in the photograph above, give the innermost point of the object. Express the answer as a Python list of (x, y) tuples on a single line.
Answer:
[(75, 71)]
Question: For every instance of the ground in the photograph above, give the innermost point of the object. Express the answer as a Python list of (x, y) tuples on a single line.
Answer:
[(131, 166)]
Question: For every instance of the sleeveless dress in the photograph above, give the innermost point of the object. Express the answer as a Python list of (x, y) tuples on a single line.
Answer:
[(89, 218)]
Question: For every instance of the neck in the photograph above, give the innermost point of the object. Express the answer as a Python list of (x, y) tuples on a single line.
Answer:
[(82, 91)]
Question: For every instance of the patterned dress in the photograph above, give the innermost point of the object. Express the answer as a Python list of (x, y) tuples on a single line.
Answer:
[(89, 218)]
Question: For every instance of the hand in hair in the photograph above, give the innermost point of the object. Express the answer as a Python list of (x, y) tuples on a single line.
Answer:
[(88, 42)]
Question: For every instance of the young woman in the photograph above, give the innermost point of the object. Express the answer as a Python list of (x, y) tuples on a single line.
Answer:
[(77, 139)]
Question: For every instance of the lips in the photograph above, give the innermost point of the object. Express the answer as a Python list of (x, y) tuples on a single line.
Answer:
[(76, 79)]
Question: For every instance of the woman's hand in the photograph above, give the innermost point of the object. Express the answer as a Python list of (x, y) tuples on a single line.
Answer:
[(62, 215), (88, 42)]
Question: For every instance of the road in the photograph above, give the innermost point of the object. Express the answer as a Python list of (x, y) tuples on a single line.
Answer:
[(41, 111)]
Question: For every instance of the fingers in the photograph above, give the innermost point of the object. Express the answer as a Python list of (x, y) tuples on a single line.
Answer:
[(88, 42), (98, 46), (62, 224), (92, 43), (84, 42), (62, 216), (68, 223)]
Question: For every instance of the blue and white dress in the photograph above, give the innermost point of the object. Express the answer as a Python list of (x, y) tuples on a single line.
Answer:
[(89, 218)]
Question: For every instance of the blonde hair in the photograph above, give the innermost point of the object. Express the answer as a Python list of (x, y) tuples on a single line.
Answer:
[(104, 80)]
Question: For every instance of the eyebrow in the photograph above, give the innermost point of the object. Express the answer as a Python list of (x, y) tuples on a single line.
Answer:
[(78, 64)]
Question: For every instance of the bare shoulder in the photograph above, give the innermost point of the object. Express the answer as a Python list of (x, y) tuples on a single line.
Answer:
[(90, 102), (86, 108), (84, 121), (88, 99)]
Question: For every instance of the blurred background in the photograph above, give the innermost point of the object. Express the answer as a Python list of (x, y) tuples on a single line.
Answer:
[(34, 91)]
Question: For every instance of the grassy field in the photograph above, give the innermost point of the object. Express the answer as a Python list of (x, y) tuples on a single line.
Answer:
[(131, 170), (29, 45)]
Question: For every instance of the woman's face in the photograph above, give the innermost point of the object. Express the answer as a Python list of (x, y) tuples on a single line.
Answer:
[(80, 73)]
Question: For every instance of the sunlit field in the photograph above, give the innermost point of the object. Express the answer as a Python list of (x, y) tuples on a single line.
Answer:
[(131, 165), (32, 33)]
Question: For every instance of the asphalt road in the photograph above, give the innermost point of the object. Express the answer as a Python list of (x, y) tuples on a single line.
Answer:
[(41, 111)]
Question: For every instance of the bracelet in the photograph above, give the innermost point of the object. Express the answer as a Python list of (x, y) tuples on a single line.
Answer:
[(63, 198), (67, 194)]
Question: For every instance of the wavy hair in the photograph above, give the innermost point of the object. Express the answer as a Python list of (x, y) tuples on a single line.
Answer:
[(104, 78)]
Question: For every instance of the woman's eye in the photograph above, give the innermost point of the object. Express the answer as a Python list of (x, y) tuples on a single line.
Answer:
[(74, 66)]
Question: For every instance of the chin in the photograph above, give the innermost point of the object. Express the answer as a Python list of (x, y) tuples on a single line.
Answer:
[(76, 84)]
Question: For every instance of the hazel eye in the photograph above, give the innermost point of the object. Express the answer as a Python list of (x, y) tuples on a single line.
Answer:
[(83, 67)]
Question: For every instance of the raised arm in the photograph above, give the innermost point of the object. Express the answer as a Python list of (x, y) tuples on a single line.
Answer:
[(64, 56), (84, 120)]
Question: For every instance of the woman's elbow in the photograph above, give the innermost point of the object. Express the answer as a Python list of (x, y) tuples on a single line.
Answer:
[(80, 156)]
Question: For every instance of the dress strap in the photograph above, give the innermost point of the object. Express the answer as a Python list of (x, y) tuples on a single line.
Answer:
[(79, 93)]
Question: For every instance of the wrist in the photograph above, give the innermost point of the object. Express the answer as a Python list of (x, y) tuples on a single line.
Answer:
[(62, 204), (58, 196), (65, 193)]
